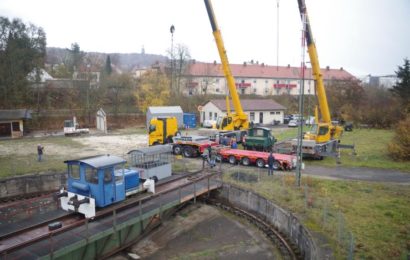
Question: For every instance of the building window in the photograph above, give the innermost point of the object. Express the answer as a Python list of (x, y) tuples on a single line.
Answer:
[(278, 112), (266, 81), (203, 116), (254, 90), (266, 90), (215, 116), (217, 80), (252, 116), (217, 90), (272, 113), (242, 91), (210, 115), (16, 126), (254, 81)]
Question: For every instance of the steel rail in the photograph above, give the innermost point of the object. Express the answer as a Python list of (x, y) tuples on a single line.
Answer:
[(100, 214)]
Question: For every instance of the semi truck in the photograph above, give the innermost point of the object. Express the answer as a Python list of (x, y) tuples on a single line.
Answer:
[(161, 130), (164, 130)]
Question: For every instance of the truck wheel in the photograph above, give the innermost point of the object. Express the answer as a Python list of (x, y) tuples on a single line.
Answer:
[(232, 159), (177, 149), (276, 165), (260, 163), (246, 161), (188, 151)]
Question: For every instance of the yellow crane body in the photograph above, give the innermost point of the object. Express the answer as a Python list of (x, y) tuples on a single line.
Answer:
[(323, 131), (237, 120)]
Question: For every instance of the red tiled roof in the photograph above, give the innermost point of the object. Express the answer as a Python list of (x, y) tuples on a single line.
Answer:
[(250, 104), (263, 71)]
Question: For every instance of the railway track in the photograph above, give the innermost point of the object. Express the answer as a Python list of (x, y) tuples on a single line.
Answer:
[(28, 235), (8, 201), (288, 250)]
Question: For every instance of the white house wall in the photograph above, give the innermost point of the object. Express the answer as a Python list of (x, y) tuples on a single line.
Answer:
[(268, 116), (210, 112)]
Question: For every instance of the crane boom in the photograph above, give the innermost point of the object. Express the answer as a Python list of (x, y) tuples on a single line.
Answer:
[(314, 60), (240, 119)]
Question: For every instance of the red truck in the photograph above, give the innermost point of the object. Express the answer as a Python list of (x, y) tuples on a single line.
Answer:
[(282, 161)]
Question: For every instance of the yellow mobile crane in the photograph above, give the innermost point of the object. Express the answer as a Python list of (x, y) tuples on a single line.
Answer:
[(324, 136), (237, 120)]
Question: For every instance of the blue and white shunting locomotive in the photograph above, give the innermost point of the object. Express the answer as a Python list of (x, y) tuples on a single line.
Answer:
[(99, 181)]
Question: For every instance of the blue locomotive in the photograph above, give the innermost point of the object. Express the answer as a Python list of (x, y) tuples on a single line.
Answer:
[(99, 181)]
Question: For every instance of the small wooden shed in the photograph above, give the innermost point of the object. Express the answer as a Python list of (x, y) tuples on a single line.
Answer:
[(12, 122)]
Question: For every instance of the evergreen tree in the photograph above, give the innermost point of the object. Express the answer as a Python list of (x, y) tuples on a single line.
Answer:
[(402, 87), (75, 58), (108, 68)]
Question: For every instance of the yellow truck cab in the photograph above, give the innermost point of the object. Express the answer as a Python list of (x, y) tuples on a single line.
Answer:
[(162, 129)]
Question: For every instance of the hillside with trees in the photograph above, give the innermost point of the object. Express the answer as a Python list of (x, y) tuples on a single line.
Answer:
[(123, 61)]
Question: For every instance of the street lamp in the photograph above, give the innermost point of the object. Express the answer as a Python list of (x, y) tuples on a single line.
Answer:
[(172, 30)]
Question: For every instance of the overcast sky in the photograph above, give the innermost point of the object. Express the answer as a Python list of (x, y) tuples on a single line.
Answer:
[(362, 36)]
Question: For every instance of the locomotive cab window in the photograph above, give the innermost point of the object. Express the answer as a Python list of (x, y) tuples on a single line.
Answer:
[(74, 171), (91, 175), (119, 173), (107, 175)]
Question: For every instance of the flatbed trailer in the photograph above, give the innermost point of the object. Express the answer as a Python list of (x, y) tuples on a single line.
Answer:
[(284, 162), (191, 146)]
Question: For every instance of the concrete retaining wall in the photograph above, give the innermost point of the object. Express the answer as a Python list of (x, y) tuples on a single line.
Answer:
[(25, 184), (282, 220)]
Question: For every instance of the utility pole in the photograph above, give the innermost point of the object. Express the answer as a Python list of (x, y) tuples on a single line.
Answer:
[(301, 96), (277, 36)]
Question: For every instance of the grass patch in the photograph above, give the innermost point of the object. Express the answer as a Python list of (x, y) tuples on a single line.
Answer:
[(21, 155), (14, 166), (376, 214)]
